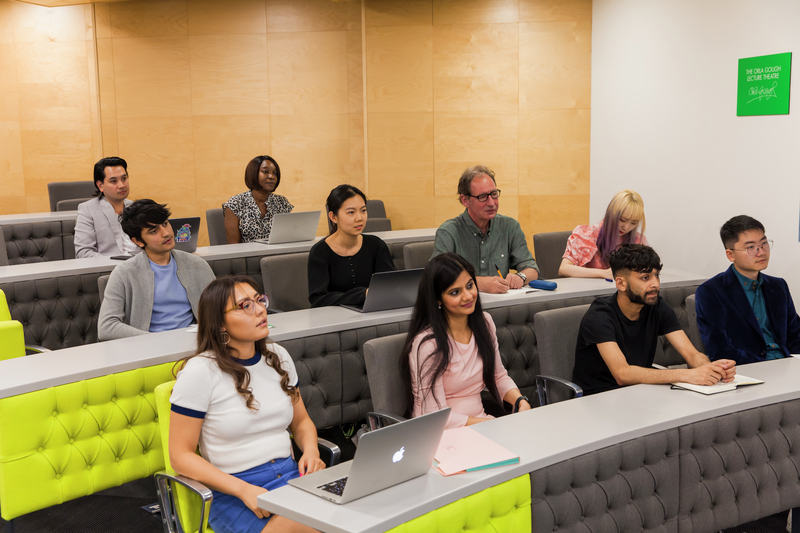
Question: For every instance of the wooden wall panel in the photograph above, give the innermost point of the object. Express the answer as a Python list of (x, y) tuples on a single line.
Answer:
[(556, 65), (552, 213), (36, 24), (463, 140), (308, 73), (555, 10), (476, 67), (231, 17), (149, 18), (9, 102), (160, 156), (394, 13), (510, 90), (53, 81), (223, 145), (229, 75), (399, 69), (49, 128), (475, 11), (307, 15), (152, 77), (554, 152), (401, 154)]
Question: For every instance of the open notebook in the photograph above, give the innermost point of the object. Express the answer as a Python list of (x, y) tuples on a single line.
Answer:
[(738, 381)]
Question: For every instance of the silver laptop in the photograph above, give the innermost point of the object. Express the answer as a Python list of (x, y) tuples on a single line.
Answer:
[(186, 231), (384, 458), (293, 227), (391, 290)]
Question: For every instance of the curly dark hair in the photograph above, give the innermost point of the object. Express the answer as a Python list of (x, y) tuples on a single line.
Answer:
[(634, 257)]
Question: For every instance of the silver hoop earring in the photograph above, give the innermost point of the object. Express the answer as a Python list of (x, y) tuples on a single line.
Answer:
[(225, 338)]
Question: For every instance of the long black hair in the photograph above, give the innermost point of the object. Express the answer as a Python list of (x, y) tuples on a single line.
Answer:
[(336, 198), (442, 271)]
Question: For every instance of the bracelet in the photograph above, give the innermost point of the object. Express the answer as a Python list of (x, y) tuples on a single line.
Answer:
[(516, 404)]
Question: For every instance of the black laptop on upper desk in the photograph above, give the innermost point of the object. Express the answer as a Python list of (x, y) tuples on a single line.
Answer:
[(391, 290)]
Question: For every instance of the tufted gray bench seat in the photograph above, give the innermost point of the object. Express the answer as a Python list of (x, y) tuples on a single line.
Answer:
[(39, 241)]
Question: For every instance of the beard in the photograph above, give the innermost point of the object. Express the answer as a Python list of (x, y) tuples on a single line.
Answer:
[(642, 299)]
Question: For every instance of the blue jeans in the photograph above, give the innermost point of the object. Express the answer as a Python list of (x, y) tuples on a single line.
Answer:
[(229, 514)]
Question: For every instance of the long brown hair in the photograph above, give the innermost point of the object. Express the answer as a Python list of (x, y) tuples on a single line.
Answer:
[(211, 320)]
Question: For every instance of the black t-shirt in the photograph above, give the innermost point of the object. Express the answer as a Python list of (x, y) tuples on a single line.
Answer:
[(336, 280), (605, 322)]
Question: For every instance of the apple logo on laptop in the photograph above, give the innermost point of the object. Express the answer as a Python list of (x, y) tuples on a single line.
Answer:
[(398, 455)]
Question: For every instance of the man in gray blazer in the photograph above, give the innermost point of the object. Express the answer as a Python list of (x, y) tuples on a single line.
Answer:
[(97, 229), (158, 290)]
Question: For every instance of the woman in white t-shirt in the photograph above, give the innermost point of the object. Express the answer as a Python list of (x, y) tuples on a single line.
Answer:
[(235, 398)]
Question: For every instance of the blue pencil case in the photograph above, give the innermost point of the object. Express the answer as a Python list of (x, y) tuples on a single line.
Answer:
[(543, 284)]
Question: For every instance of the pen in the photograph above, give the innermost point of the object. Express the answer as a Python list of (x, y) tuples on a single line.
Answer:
[(611, 280), (498, 271)]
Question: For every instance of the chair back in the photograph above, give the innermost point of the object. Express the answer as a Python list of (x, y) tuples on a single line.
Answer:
[(694, 329), (215, 222), (12, 336), (382, 358), (67, 190), (285, 280), (187, 504), (417, 254), (71, 204), (548, 249), (377, 220), (556, 333), (102, 281), (376, 209), (374, 225), (3, 250)]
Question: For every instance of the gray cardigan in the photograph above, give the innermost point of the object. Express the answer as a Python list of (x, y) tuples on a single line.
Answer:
[(128, 298)]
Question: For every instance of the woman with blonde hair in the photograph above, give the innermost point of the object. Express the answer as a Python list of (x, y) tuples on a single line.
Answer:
[(588, 247)]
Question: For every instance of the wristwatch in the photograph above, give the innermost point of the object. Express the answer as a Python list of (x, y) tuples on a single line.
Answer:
[(523, 276), (516, 404)]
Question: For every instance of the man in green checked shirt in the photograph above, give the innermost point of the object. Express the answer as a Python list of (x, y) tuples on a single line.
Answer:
[(493, 243)]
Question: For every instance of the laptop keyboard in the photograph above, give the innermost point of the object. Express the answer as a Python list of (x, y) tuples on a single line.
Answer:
[(335, 487)]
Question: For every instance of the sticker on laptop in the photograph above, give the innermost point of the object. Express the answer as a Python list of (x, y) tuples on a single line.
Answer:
[(184, 233)]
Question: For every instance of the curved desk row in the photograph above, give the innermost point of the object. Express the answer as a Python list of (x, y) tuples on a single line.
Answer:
[(86, 413), (58, 301), (642, 457)]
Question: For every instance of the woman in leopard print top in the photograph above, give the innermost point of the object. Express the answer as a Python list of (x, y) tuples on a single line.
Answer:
[(249, 215)]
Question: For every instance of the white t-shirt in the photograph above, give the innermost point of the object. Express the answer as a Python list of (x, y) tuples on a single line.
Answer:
[(235, 438)]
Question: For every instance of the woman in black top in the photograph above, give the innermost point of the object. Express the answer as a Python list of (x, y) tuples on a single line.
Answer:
[(341, 265)]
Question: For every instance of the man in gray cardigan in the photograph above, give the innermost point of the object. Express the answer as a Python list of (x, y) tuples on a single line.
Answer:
[(158, 290)]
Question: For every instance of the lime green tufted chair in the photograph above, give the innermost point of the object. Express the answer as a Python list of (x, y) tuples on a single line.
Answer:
[(72, 440)]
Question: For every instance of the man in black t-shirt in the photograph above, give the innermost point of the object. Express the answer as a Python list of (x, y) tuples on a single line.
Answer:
[(617, 340)]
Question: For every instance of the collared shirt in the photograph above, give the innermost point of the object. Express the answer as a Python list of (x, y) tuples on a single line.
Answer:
[(752, 289), (503, 247)]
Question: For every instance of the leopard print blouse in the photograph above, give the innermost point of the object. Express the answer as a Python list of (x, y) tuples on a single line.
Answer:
[(252, 225)]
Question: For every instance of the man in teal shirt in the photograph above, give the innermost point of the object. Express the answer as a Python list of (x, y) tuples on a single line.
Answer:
[(493, 243)]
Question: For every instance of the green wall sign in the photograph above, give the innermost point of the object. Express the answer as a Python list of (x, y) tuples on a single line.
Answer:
[(764, 85)]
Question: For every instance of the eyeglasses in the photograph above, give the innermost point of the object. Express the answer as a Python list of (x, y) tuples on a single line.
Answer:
[(249, 305), (495, 194), (753, 248)]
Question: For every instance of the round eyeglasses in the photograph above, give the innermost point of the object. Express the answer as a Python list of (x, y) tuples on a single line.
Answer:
[(249, 305), (753, 248)]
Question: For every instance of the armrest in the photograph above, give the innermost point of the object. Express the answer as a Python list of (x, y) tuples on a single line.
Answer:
[(169, 514), (332, 449), (378, 420), (32, 349), (542, 386)]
